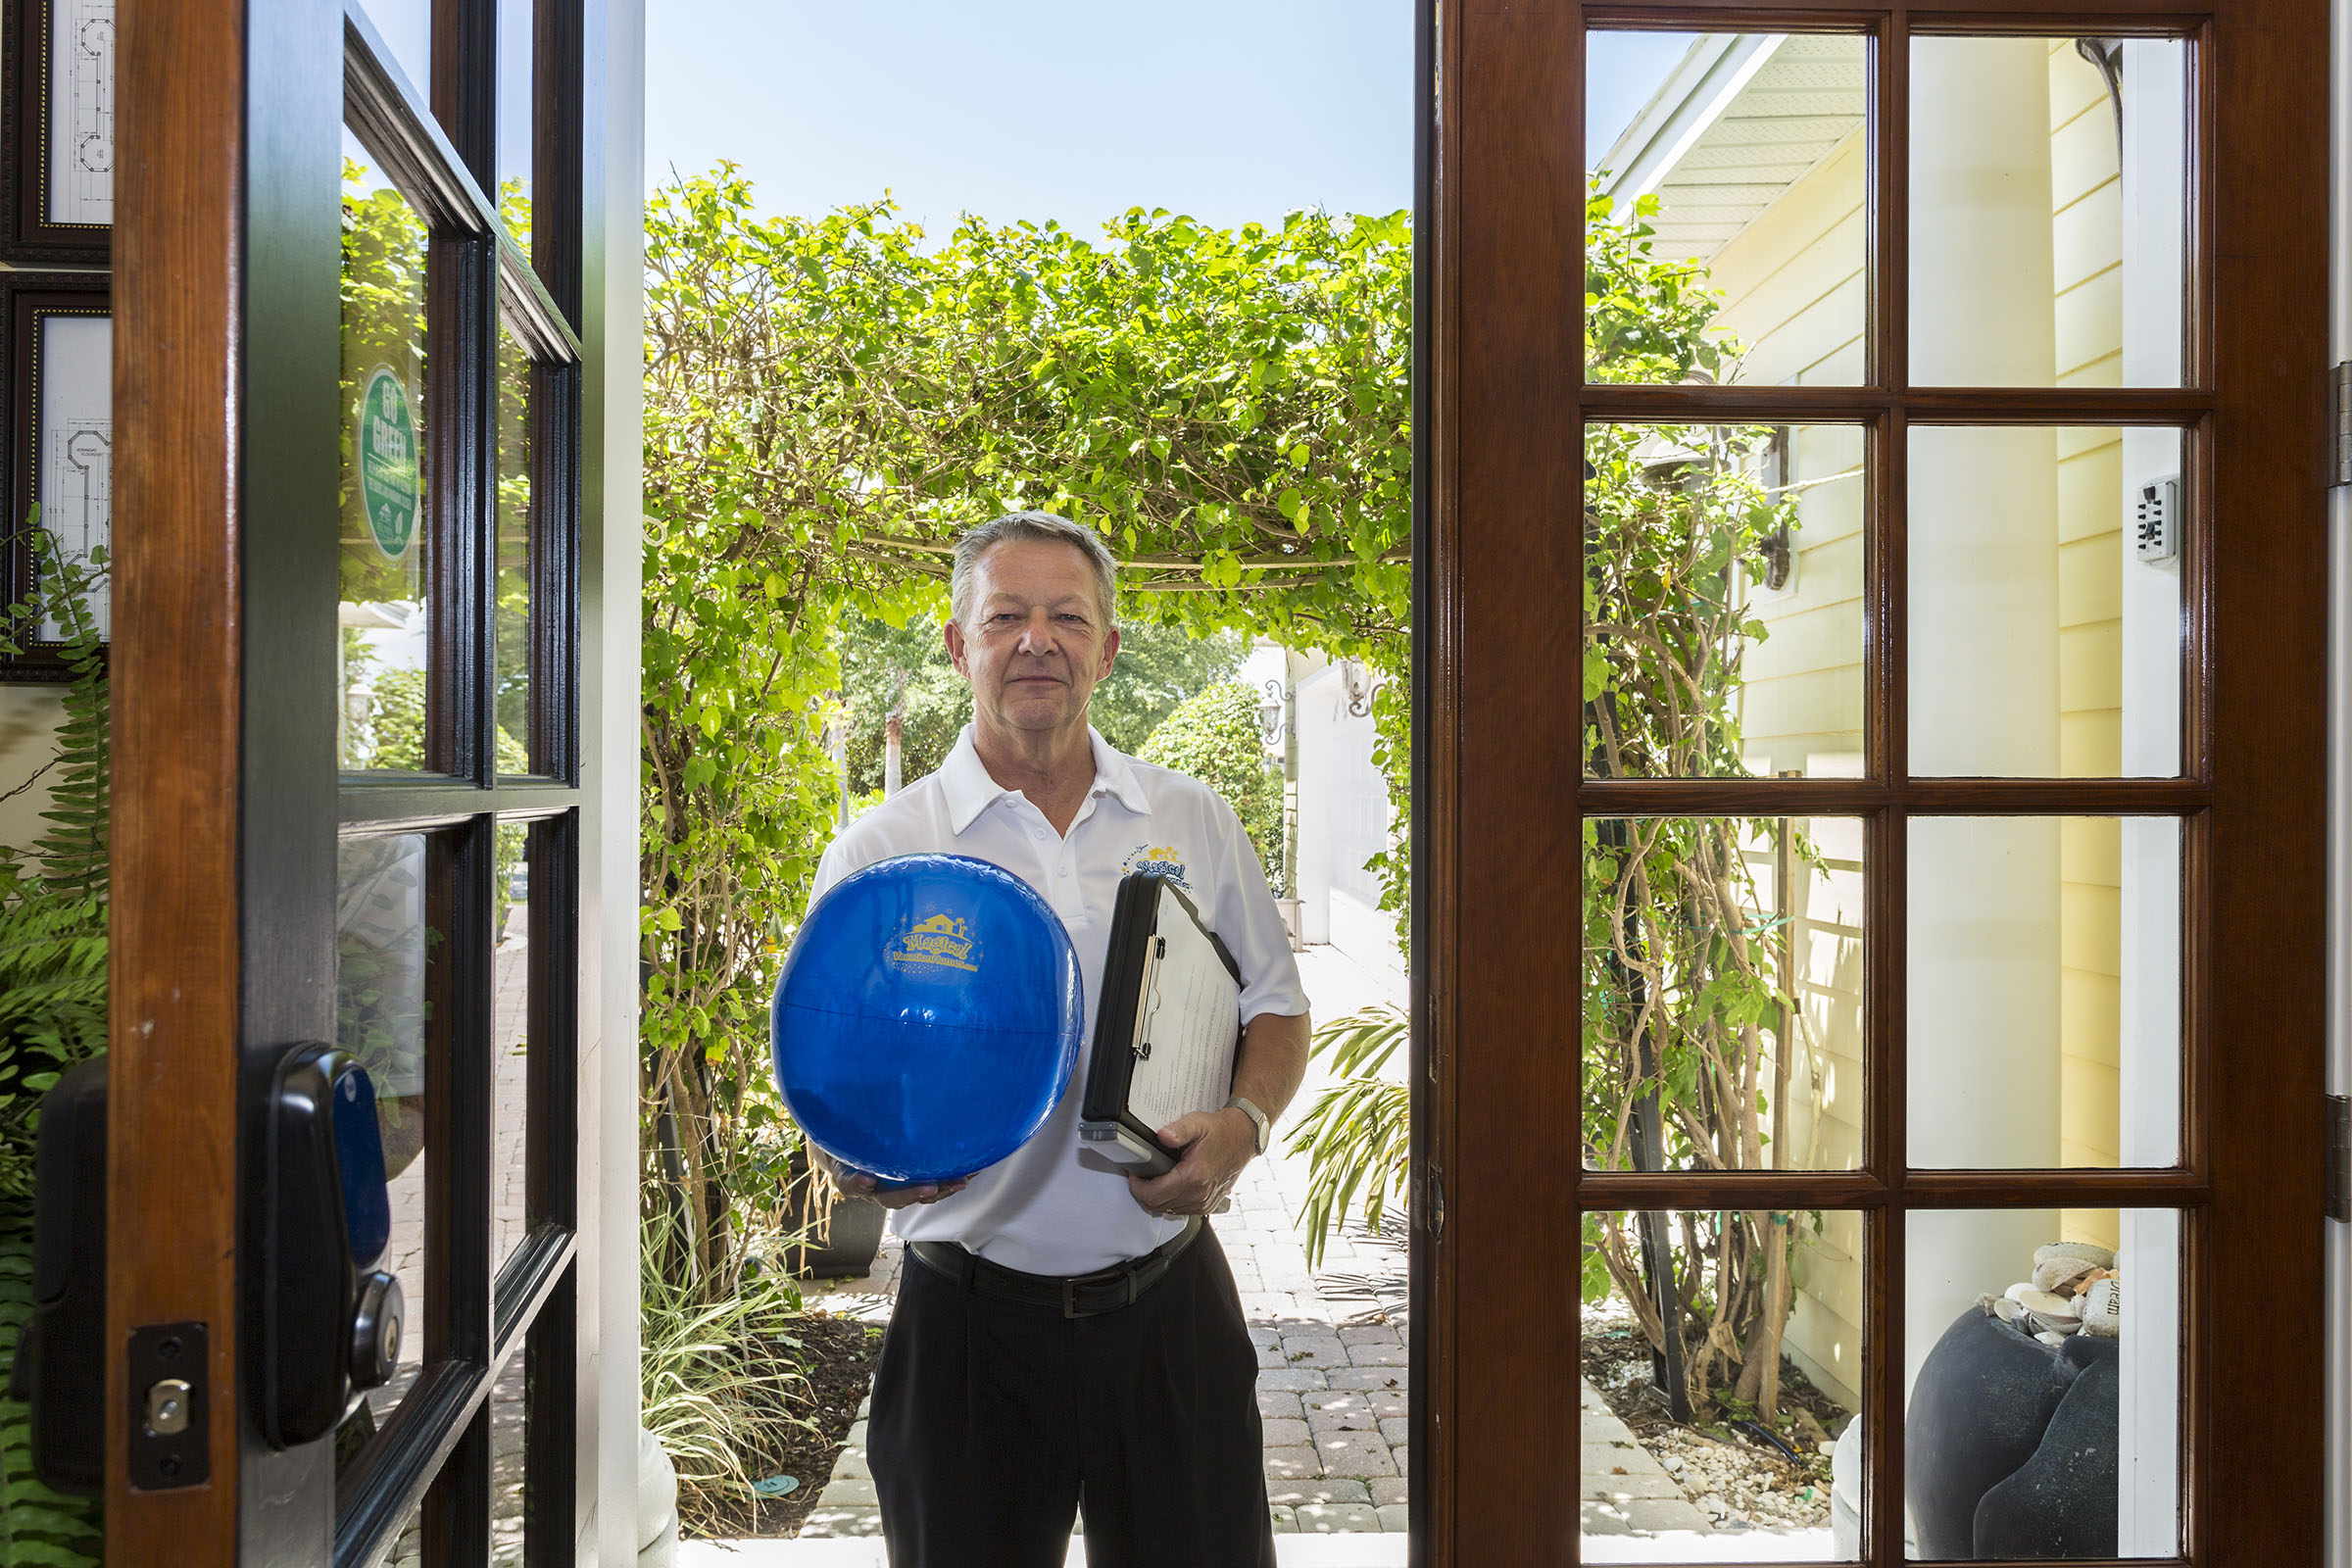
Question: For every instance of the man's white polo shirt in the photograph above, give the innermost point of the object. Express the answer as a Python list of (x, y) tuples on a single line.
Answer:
[(1040, 1209)]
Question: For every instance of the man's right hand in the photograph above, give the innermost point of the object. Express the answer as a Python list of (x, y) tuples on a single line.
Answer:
[(858, 1183)]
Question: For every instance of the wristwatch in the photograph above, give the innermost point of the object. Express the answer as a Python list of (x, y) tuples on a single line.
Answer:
[(1258, 1119)]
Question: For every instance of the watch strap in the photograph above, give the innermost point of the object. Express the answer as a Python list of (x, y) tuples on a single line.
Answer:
[(1258, 1119)]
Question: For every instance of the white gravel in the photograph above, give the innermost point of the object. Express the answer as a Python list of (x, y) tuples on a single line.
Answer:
[(1738, 1484)]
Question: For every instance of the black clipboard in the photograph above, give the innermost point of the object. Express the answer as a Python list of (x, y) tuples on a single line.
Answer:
[(1167, 1028)]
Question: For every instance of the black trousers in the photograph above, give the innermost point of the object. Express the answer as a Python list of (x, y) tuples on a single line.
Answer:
[(992, 1420)]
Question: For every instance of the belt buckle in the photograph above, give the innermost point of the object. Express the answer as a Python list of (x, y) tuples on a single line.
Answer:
[(1069, 1298)]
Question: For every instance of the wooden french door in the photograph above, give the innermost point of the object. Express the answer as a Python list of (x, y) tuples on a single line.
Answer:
[(2065, 765), (358, 779)]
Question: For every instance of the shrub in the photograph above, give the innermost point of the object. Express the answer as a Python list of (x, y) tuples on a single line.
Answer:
[(1214, 737)]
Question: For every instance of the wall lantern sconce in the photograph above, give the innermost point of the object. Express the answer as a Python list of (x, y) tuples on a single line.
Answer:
[(1269, 710)]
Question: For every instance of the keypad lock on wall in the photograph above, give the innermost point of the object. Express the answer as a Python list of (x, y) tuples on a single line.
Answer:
[(329, 1317)]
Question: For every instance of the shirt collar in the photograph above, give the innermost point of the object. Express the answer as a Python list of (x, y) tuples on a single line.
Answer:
[(969, 790)]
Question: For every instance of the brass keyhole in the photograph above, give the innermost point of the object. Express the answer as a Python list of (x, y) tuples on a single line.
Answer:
[(168, 1406)]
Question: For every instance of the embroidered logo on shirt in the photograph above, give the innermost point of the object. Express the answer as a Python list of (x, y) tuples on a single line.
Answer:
[(1155, 861), (942, 940)]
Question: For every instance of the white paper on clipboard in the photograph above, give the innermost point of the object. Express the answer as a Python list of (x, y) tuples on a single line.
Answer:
[(1188, 1021)]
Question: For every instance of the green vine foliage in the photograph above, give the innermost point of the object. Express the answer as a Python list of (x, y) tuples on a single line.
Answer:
[(53, 1015), (830, 402)]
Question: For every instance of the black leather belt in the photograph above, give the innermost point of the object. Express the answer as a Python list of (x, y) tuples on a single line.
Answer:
[(1077, 1295)]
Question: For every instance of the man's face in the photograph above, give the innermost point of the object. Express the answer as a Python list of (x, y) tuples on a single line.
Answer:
[(1034, 642)]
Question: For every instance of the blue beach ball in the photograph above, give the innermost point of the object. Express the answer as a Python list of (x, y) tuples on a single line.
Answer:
[(928, 1018)]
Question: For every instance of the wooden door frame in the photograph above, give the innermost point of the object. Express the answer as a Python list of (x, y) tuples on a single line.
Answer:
[(1503, 330), (227, 440)]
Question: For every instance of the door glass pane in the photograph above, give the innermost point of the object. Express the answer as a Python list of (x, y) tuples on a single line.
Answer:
[(1727, 235), (509, 1075), (1764, 1322), (2043, 991), (1724, 600), (408, 1544), (2048, 212), (2042, 1389), (515, 118), (2047, 631), (385, 531), (387, 933), (515, 552), (407, 28), (1723, 993), (507, 1446)]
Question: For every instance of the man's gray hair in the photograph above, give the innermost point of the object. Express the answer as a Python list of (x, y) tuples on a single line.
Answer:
[(1048, 527)]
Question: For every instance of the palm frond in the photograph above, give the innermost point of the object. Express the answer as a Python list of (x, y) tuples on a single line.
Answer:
[(1358, 1138)]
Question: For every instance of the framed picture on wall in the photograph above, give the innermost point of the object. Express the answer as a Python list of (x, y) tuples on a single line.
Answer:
[(56, 398), (60, 168)]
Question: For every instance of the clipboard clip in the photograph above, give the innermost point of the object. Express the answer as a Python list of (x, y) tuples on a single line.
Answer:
[(1143, 1052)]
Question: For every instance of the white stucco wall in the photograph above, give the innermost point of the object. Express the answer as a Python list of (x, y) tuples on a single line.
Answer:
[(1344, 820)]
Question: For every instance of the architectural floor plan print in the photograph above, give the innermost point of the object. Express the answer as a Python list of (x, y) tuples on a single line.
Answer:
[(75, 433), (81, 111)]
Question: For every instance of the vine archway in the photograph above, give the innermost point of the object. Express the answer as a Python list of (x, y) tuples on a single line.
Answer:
[(831, 400)]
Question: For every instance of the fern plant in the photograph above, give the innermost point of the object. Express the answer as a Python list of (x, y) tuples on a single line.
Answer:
[(53, 912), (1358, 1136)]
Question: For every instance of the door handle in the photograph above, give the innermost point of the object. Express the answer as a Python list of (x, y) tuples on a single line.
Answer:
[(331, 1316)]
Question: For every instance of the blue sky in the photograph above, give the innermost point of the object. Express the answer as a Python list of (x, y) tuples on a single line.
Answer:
[(1229, 110), (1621, 71)]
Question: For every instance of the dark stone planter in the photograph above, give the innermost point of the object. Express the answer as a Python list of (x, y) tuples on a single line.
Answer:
[(2009, 1445)]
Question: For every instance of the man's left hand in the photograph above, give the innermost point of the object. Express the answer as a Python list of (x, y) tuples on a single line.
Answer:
[(1215, 1146)]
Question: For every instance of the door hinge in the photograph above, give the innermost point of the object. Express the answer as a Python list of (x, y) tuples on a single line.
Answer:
[(2339, 1158), (2340, 422), (1435, 1186)]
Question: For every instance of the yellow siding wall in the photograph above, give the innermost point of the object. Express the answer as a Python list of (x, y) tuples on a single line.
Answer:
[(2086, 244), (1825, 1322), (1793, 293), (1792, 281)]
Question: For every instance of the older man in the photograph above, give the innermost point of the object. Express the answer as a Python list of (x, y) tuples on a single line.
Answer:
[(1065, 1333)]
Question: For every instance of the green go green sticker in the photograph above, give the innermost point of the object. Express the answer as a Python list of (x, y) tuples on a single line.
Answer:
[(387, 451)]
